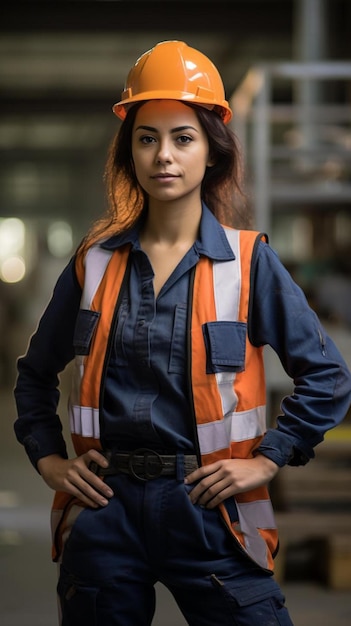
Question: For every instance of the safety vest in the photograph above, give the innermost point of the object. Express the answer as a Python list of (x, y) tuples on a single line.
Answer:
[(228, 402)]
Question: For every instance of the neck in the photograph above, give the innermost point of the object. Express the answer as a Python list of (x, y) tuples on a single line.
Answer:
[(172, 225)]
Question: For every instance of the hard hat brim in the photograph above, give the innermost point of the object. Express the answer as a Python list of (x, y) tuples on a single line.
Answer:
[(120, 109)]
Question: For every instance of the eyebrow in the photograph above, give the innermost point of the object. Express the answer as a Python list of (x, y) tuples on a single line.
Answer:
[(173, 130)]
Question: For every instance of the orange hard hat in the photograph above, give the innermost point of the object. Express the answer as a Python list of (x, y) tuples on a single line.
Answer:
[(174, 71)]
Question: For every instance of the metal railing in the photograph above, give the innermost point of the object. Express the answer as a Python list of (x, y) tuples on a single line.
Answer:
[(297, 150)]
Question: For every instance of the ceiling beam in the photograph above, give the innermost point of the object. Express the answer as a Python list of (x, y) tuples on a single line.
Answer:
[(234, 16)]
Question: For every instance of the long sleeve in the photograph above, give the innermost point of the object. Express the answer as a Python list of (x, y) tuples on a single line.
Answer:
[(38, 426), (281, 317)]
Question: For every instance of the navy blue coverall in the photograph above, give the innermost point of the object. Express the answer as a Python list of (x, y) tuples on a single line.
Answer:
[(151, 531)]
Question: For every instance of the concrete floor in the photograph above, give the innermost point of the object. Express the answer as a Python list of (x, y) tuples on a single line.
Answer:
[(28, 578)]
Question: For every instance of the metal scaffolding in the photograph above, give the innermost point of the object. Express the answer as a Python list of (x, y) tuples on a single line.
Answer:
[(294, 151)]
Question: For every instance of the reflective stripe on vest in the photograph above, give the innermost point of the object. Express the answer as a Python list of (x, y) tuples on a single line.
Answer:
[(96, 262), (232, 428)]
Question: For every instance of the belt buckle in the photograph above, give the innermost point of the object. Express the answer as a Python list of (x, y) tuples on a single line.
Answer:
[(147, 456)]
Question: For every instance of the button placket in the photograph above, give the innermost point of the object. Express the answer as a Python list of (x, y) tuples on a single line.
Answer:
[(145, 314)]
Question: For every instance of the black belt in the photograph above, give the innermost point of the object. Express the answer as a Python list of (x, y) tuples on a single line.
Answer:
[(144, 464)]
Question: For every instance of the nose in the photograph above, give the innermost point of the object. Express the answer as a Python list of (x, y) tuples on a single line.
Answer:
[(164, 154)]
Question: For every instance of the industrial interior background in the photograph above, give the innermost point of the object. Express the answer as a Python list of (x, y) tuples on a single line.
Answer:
[(286, 66)]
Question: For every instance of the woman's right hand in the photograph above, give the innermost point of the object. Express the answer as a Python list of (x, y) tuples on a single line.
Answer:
[(74, 476)]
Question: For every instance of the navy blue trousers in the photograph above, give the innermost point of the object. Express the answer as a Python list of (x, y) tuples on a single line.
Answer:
[(151, 532)]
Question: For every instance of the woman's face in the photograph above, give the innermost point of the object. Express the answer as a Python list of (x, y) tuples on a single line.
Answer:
[(170, 150)]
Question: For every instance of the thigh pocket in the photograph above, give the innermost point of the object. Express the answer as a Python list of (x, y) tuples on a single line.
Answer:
[(78, 600), (254, 602)]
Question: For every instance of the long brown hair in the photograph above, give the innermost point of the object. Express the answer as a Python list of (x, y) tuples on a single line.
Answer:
[(221, 186)]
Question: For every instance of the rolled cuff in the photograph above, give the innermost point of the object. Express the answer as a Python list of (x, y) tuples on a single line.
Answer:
[(284, 449)]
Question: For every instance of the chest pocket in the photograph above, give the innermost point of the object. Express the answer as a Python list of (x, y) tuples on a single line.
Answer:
[(225, 344), (85, 327)]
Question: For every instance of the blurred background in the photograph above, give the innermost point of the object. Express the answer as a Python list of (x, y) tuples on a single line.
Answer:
[(286, 66)]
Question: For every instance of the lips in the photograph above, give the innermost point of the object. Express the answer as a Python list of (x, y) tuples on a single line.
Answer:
[(164, 175)]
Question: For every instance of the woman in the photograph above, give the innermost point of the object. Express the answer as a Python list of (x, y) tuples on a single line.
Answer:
[(166, 312)]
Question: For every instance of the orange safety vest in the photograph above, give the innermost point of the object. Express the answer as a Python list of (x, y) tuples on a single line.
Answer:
[(229, 406)]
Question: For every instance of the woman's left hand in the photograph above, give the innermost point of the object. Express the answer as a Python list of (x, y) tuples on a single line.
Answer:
[(220, 480)]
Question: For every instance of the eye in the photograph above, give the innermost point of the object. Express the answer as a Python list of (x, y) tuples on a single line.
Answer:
[(146, 139), (184, 139)]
